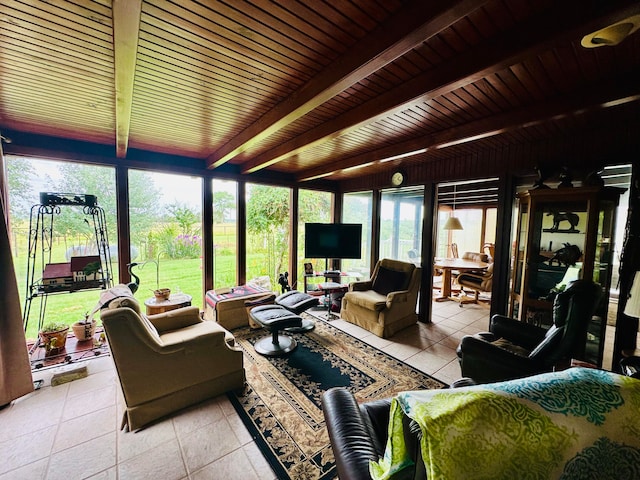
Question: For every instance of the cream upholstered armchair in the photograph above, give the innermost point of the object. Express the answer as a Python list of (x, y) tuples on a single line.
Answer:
[(386, 303), (168, 361)]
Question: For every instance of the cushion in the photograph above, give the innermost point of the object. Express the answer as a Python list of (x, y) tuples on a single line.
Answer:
[(129, 302), (388, 281), (369, 299), (513, 348)]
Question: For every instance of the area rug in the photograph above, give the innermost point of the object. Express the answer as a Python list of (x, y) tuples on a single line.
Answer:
[(280, 404)]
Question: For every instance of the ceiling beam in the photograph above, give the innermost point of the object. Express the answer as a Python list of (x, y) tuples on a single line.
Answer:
[(570, 21), (126, 26), (409, 27), (592, 98)]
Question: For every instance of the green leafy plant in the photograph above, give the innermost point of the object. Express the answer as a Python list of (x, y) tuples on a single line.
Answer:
[(53, 327)]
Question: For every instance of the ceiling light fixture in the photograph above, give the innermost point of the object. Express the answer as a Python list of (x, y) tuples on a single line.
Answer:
[(453, 222), (613, 34)]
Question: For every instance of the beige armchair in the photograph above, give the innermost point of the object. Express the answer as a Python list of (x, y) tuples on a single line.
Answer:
[(168, 361), (386, 303)]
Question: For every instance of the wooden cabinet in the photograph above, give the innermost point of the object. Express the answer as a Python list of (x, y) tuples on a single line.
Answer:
[(562, 235)]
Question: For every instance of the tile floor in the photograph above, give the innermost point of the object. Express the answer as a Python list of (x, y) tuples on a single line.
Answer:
[(71, 431)]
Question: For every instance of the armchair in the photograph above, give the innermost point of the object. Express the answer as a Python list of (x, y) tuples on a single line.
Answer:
[(514, 349), (476, 281), (168, 361), (386, 303)]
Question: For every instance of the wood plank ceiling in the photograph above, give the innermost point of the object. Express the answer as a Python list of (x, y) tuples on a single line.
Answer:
[(312, 88)]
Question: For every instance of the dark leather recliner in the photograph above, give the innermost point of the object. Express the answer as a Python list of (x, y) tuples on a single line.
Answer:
[(514, 349), (359, 432)]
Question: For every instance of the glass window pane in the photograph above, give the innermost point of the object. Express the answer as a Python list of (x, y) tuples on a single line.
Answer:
[(166, 233), (357, 208), (71, 233), (225, 245), (313, 207), (267, 231), (401, 224)]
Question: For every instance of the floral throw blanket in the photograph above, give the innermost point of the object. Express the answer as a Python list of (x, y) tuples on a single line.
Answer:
[(580, 423)]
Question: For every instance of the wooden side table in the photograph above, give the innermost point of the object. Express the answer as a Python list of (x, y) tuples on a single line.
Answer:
[(176, 300)]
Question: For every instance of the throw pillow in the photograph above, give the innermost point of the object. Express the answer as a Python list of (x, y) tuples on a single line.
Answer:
[(388, 281)]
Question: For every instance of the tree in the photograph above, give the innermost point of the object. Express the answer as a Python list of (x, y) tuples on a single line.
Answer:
[(21, 195), (100, 181), (185, 217), (223, 203), (268, 215)]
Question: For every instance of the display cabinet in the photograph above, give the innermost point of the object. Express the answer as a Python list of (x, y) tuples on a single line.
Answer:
[(563, 234)]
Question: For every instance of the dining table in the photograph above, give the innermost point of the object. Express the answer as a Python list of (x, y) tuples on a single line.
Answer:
[(447, 265)]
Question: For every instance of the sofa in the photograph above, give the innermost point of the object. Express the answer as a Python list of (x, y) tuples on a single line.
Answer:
[(168, 361), (574, 424), (386, 303)]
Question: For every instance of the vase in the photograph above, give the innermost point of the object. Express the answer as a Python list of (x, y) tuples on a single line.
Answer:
[(54, 342), (84, 330)]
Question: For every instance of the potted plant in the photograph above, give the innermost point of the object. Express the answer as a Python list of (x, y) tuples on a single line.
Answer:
[(54, 337), (84, 329)]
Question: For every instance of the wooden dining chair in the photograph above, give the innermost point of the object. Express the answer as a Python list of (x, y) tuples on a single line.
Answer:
[(454, 250)]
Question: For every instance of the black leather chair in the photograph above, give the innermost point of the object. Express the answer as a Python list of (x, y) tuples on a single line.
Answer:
[(358, 433), (514, 349)]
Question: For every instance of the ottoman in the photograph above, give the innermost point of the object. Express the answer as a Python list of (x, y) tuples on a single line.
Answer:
[(275, 319)]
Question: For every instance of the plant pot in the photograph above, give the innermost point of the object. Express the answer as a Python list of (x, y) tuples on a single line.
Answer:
[(162, 294), (54, 342), (84, 330)]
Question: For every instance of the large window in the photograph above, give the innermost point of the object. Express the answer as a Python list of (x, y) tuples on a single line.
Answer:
[(70, 234), (313, 206), (401, 224), (473, 204), (357, 208), (225, 241), (267, 231), (166, 232)]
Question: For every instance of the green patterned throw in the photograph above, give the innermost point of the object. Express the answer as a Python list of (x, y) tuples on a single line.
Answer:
[(577, 424)]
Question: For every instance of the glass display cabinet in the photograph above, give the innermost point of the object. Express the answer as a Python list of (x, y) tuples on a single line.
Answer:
[(563, 234)]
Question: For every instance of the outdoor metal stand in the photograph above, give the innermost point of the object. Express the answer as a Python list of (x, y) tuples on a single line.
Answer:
[(41, 241)]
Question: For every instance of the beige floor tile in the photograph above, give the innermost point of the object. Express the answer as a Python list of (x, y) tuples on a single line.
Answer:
[(24, 449), (208, 444), (427, 362), (108, 474), (96, 381), (259, 463), (197, 416), (89, 402), (131, 444), (32, 471), (84, 460), (234, 465), (400, 351), (22, 418), (84, 428), (163, 461)]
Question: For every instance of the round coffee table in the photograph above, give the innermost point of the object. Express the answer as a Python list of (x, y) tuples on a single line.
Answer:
[(176, 300)]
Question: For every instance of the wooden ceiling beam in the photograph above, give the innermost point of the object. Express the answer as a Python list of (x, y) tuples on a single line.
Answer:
[(595, 97), (415, 23), (570, 21), (126, 25)]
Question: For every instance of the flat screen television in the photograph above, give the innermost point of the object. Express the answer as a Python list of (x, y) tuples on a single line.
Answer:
[(332, 240)]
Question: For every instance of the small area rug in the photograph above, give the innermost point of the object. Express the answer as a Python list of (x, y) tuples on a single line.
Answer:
[(280, 404)]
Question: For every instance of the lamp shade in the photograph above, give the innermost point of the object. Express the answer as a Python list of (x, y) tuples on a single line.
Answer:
[(632, 309), (453, 223)]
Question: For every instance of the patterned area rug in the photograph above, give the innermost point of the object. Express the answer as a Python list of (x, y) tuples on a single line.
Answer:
[(281, 403)]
